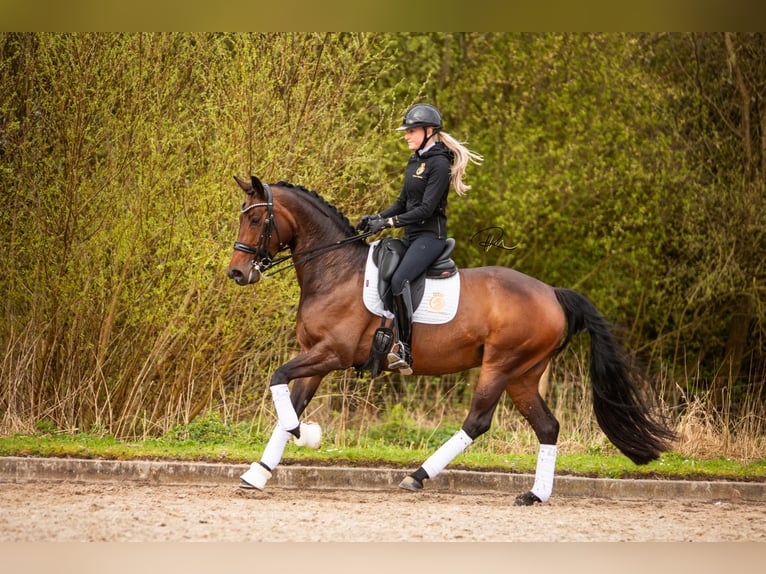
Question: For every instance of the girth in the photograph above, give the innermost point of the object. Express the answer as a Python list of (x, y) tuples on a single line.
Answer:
[(387, 255)]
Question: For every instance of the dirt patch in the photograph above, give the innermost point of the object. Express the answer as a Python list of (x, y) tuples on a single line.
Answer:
[(116, 512)]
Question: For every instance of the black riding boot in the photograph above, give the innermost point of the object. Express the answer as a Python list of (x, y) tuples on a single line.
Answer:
[(399, 358)]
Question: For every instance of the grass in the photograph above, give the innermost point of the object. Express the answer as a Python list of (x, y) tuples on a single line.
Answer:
[(395, 442)]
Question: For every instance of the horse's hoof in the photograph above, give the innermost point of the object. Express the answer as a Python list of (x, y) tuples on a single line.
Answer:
[(244, 485), (410, 483), (526, 499)]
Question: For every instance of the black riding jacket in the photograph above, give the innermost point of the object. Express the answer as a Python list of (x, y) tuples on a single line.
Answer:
[(422, 204)]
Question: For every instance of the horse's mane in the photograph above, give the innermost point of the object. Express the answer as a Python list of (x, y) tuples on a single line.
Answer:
[(329, 208)]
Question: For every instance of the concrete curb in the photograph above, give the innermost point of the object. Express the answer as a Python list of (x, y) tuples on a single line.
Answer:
[(22, 469)]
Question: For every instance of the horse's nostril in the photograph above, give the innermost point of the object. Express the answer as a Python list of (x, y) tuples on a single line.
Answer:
[(235, 274)]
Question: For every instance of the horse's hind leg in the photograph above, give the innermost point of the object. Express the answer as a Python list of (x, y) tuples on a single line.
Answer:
[(526, 397), (488, 391)]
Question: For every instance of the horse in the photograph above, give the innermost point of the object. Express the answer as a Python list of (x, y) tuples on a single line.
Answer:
[(508, 324)]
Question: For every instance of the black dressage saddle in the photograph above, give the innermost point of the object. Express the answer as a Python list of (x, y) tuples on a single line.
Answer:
[(387, 255)]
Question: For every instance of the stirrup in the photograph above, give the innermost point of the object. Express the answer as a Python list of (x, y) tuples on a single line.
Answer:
[(397, 360)]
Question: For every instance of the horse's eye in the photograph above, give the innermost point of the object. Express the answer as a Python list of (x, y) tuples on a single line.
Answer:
[(255, 220)]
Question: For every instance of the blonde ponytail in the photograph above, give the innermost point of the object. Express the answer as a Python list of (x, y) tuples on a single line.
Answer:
[(462, 156)]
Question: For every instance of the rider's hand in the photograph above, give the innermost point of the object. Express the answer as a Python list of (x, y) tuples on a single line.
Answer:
[(379, 224), (364, 223)]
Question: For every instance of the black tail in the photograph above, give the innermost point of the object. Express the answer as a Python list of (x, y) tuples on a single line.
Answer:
[(619, 409)]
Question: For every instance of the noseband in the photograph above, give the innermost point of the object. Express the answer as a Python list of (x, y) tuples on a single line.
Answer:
[(262, 258)]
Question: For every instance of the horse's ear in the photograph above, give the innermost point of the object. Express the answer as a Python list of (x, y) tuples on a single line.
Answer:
[(258, 187), (245, 186)]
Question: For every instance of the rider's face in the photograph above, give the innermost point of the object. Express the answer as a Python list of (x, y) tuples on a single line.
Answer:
[(414, 137)]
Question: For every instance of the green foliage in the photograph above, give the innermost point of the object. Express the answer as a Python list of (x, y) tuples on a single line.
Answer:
[(206, 429), (712, 293), (118, 152), (399, 429)]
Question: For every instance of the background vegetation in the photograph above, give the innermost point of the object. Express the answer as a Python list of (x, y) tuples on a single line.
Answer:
[(629, 167)]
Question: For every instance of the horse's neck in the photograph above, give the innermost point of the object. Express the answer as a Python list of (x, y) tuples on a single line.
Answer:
[(318, 269), (320, 272)]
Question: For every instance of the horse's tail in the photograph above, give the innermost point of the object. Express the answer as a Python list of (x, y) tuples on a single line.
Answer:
[(620, 411)]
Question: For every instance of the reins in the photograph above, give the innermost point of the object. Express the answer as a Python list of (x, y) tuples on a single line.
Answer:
[(317, 251), (265, 260)]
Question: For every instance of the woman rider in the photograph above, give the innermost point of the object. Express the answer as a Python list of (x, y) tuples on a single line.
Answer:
[(421, 208)]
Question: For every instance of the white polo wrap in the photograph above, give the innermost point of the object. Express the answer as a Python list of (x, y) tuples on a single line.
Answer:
[(546, 465), (449, 450), (272, 454), (280, 394)]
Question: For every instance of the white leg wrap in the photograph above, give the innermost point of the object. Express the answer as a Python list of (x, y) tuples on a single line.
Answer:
[(449, 450), (256, 476), (272, 454), (546, 465), (280, 394)]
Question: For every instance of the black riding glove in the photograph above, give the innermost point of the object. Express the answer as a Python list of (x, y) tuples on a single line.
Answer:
[(379, 224), (364, 223)]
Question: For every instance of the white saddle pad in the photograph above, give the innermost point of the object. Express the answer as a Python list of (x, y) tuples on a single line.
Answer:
[(439, 303)]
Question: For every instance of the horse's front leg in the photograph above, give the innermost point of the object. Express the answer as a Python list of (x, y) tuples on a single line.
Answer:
[(308, 434), (308, 373)]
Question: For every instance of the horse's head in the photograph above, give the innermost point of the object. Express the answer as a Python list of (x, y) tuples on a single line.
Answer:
[(258, 240)]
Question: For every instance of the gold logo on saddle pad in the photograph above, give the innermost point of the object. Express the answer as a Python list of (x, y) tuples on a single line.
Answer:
[(436, 303)]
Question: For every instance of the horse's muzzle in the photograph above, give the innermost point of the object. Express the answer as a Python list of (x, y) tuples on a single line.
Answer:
[(243, 278)]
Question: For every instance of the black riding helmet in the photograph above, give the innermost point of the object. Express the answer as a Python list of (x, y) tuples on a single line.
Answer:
[(422, 116)]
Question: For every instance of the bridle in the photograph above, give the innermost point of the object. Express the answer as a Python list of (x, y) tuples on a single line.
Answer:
[(262, 258)]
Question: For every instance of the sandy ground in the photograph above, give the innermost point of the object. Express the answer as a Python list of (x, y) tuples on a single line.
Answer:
[(122, 512)]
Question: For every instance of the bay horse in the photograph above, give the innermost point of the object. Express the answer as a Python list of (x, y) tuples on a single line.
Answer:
[(507, 323)]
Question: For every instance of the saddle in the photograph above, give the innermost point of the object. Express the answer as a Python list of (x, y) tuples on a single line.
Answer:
[(387, 255)]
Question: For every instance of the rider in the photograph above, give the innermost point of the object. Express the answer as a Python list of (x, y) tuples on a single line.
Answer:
[(421, 208)]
